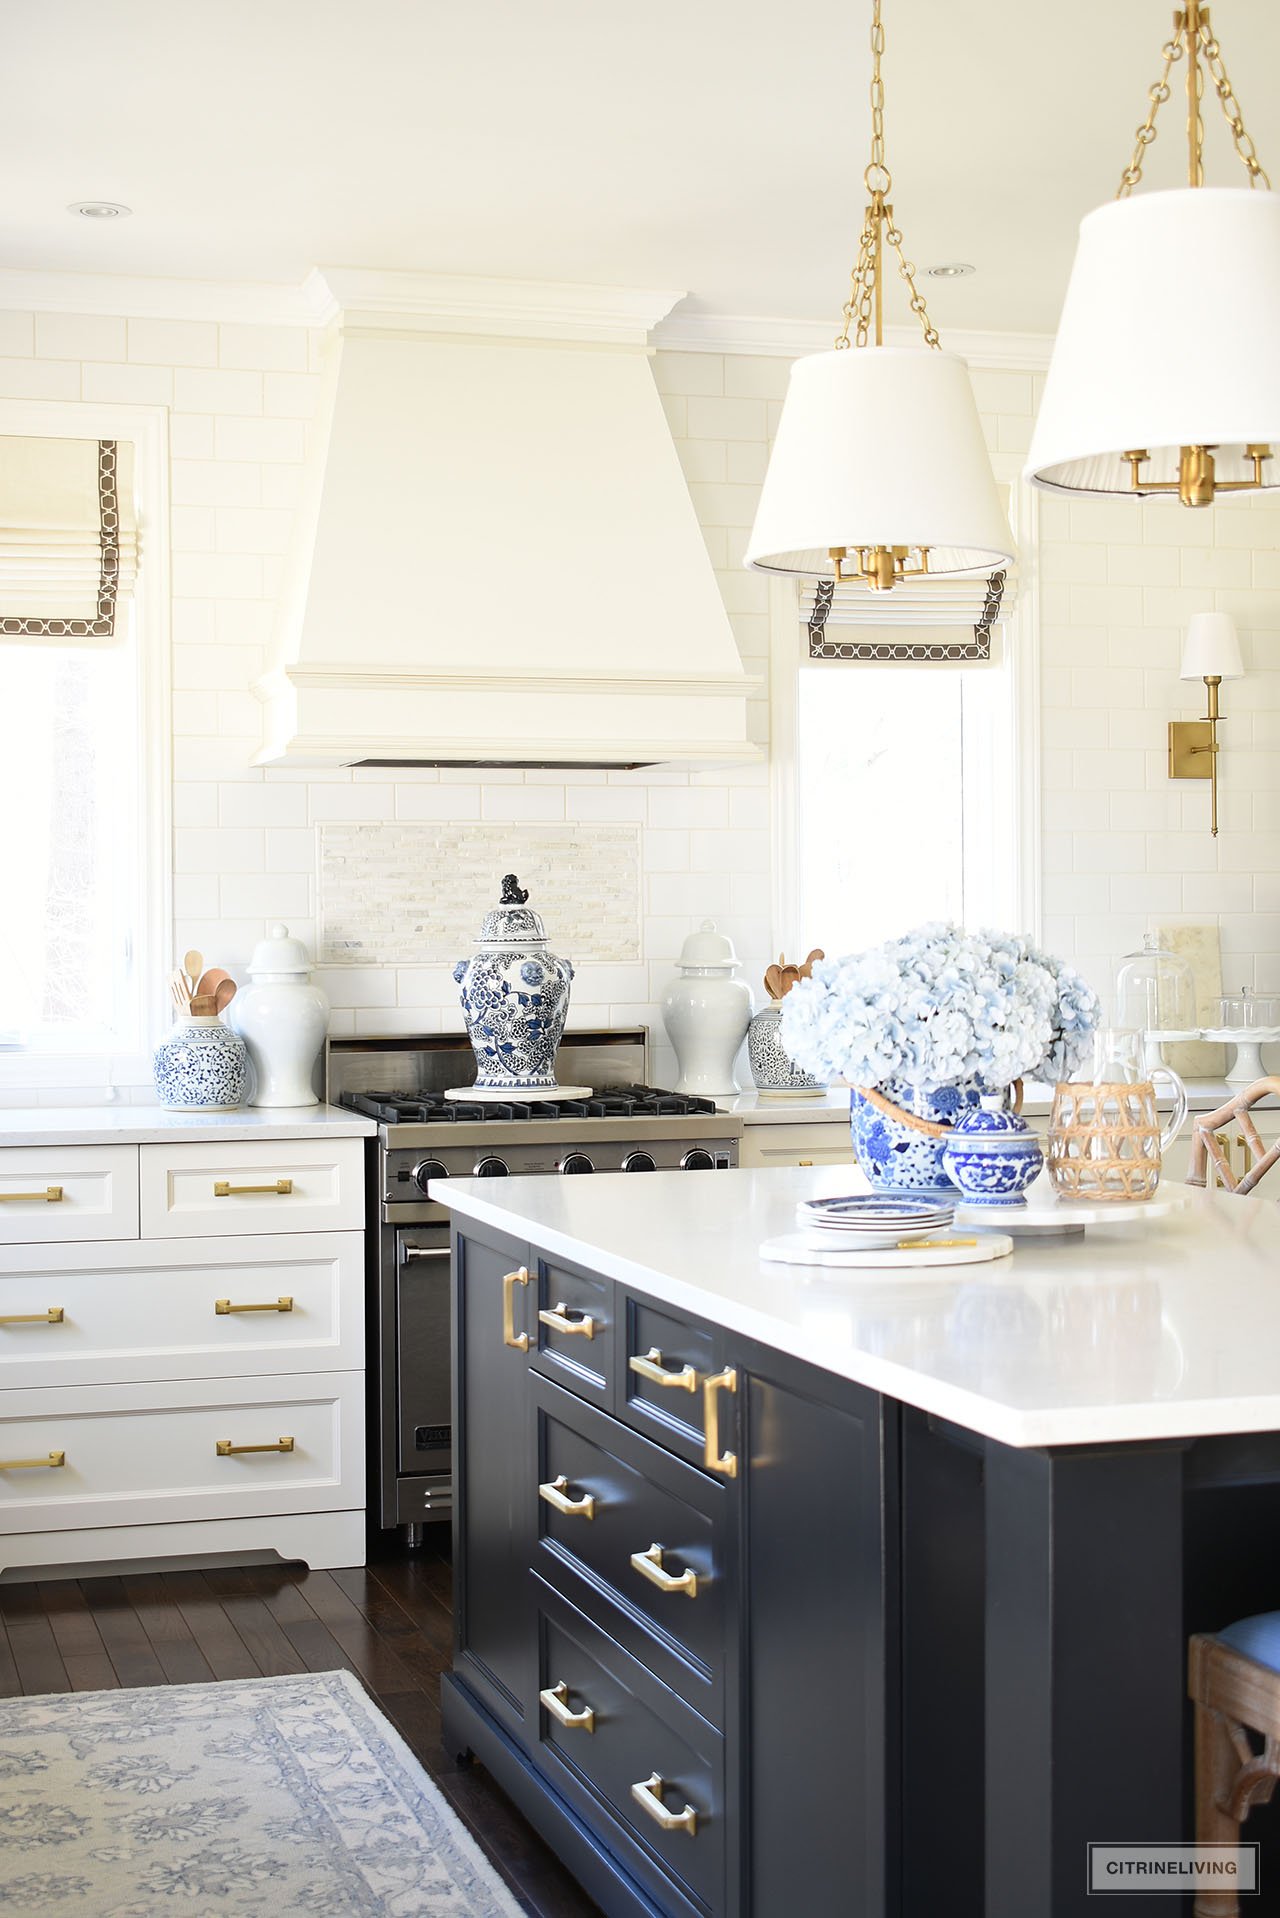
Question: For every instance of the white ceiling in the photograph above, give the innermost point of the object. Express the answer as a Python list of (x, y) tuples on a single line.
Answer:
[(713, 145)]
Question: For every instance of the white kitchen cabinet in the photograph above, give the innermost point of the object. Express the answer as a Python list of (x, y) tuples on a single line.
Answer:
[(807, 1142), (294, 1185), (57, 1193)]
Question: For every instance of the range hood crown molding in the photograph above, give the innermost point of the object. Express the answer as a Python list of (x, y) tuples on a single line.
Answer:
[(502, 309)]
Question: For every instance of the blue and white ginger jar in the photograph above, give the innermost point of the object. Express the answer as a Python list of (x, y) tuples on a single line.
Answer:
[(993, 1155), (515, 998), (201, 1065), (897, 1157)]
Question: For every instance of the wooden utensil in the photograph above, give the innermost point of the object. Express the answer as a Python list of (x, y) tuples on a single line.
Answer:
[(193, 964), (225, 993), (211, 980)]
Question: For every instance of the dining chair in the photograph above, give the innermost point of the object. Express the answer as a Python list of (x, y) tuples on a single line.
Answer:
[(1233, 1678), (1207, 1147)]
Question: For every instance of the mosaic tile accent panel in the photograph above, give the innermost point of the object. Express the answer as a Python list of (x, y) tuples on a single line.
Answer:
[(411, 894)]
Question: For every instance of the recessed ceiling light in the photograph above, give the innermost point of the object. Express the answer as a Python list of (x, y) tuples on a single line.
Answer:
[(100, 209), (951, 270)]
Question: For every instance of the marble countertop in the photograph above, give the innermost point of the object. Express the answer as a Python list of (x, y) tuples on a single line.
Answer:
[(153, 1124), (758, 1108), (1158, 1328)]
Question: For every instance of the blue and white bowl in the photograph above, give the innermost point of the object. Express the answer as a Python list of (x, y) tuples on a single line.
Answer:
[(895, 1157), (993, 1156)]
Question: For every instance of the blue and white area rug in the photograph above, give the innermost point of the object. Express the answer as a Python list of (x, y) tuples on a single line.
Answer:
[(280, 1795)]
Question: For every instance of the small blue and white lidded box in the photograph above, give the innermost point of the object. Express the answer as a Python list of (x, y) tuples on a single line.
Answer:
[(515, 1000), (992, 1154)]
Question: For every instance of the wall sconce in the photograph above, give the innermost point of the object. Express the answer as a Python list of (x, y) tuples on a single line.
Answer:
[(1211, 651)]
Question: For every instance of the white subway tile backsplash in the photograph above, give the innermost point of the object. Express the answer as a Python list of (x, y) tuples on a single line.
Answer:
[(173, 342), (273, 349), (78, 336)]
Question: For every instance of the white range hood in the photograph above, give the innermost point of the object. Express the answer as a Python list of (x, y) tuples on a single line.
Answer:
[(498, 561)]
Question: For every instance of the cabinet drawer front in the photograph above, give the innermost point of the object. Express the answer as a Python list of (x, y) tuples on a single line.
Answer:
[(581, 1360), (138, 1455), (637, 1733), (68, 1192), (114, 1313), (288, 1185), (825, 1144), (659, 1340)]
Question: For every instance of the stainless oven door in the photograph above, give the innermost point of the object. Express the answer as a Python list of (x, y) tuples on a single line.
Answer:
[(423, 1395)]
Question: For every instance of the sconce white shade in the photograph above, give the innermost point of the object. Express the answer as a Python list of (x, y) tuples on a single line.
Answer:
[(1211, 648), (879, 446), (1167, 339)]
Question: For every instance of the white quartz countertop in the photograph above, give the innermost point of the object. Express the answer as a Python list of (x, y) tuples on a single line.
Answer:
[(1159, 1328), (152, 1125)]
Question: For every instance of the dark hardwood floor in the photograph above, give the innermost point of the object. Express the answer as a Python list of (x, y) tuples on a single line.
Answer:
[(389, 1623)]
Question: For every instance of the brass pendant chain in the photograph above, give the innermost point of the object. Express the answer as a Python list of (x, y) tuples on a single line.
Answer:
[(1191, 24)]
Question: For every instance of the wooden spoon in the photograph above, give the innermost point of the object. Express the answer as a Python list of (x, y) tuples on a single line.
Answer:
[(211, 980), (192, 965), (225, 993)]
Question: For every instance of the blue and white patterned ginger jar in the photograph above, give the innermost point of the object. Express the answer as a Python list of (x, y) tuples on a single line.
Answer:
[(201, 1065), (515, 998), (895, 1156), (772, 1067), (993, 1155)]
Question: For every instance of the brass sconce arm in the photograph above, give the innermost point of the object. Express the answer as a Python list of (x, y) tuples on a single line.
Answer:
[(1192, 740)]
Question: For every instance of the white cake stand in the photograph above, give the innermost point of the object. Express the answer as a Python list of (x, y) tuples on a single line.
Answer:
[(518, 1095), (1248, 1041)]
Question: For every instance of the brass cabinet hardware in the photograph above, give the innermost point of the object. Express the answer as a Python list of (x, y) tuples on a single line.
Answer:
[(411, 1253), (649, 1565), (651, 1367), (225, 1449), (52, 1195), (557, 1317), (726, 1463), (556, 1495), (1246, 1152), (556, 1700), (283, 1304), (30, 1464), (648, 1794), (510, 1280), (54, 1316), (279, 1188)]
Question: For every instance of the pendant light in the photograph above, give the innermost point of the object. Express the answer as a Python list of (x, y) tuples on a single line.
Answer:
[(1165, 377), (879, 471)]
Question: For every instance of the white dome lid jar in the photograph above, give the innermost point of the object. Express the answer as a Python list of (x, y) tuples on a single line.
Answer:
[(282, 1018), (706, 1013)]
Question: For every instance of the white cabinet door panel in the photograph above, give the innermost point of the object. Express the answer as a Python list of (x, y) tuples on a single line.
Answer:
[(289, 1185), (68, 1192)]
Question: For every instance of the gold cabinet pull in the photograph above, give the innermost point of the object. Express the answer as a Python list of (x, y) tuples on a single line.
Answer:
[(510, 1280), (713, 1458), (54, 1316), (648, 1794), (651, 1367), (30, 1464), (225, 1449), (283, 1304), (556, 1495), (649, 1565), (557, 1317), (279, 1188), (52, 1195), (556, 1700)]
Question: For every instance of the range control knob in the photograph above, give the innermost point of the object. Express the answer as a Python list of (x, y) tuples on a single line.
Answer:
[(575, 1162), (426, 1170), (697, 1160), (492, 1168), (639, 1162)]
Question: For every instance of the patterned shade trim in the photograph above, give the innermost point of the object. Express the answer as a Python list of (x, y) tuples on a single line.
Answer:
[(103, 625), (974, 648)]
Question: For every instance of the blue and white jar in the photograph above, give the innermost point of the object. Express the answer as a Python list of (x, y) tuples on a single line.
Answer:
[(993, 1155), (515, 1000), (200, 1066), (896, 1156), (772, 1067)]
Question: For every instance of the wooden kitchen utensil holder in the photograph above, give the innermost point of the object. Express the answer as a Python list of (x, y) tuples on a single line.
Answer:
[(1104, 1142)]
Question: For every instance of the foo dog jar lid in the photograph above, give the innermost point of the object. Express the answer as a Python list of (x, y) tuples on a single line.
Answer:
[(280, 953), (991, 1126), (707, 947), (511, 922)]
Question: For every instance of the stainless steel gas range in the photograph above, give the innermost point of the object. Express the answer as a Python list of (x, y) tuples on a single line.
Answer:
[(624, 1127)]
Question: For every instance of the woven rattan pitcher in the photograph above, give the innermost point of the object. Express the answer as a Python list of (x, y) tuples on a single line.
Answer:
[(1105, 1139)]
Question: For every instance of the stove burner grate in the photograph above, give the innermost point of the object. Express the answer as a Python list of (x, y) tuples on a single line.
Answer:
[(611, 1102)]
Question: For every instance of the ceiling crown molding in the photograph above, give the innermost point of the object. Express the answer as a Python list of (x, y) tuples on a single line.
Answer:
[(142, 297), (508, 309), (757, 334)]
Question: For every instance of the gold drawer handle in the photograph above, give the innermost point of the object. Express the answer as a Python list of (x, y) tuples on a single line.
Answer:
[(225, 1449), (651, 1367), (556, 1495), (559, 1321), (556, 1700), (649, 1796), (519, 1341), (713, 1458), (54, 1316), (649, 1565), (51, 1195), (280, 1188), (283, 1304), (29, 1464)]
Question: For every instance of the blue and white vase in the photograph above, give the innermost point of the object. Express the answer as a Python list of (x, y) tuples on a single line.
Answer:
[(993, 1155), (515, 999), (772, 1067), (896, 1157), (200, 1066)]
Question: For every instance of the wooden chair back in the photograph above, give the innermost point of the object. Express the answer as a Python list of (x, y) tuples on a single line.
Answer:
[(1205, 1145)]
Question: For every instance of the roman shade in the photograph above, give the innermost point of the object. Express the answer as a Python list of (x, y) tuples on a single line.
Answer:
[(68, 536), (929, 621)]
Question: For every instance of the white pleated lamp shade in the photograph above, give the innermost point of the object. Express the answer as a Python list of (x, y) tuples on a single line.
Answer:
[(1167, 339), (879, 446), (1211, 647)]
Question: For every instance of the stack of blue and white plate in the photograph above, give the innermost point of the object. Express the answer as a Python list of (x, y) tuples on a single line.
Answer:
[(871, 1222)]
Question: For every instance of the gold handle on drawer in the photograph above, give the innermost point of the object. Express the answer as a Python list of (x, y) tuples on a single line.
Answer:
[(649, 1796), (54, 1316), (556, 1700), (557, 1317), (283, 1304), (52, 1195), (556, 1495), (225, 1449), (30, 1464), (651, 1367), (510, 1280), (649, 1565), (713, 1458), (279, 1188)]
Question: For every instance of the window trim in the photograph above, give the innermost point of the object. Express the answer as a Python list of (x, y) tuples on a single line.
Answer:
[(148, 429)]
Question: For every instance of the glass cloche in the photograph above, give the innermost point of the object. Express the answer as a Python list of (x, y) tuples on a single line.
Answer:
[(1156, 995)]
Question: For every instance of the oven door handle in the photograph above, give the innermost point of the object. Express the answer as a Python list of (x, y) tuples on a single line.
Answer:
[(410, 1253)]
